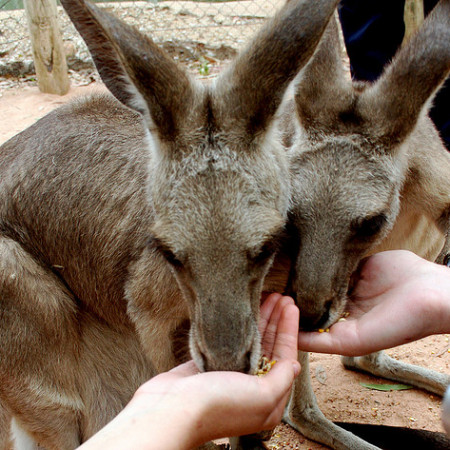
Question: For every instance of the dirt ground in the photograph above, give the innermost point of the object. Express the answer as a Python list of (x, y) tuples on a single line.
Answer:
[(340, 394)]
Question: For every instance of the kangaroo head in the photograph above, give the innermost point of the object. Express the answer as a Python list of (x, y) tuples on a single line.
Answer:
[(218, 180), (350, 159), (338, 220), (218, 217)]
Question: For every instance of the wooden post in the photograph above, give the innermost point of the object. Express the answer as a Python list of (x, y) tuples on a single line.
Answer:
[(47, 46), (413, 16)]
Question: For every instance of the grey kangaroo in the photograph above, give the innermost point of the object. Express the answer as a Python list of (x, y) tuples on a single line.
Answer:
[(369, 173), (105, 202)]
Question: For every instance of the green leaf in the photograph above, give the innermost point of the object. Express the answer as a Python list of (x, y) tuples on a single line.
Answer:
[(386, 387)]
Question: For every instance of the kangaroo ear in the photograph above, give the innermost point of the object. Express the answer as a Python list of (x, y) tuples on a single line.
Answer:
[(395, 102), (134, 68), (324, 88), (251, 90)]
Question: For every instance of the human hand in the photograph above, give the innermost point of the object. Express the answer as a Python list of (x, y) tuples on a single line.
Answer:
[(183, 408), (398, 297)]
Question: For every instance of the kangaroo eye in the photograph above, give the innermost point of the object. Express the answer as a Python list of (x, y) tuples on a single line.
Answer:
[(269, 248), (165, 251), (369, 227), (266, 252), (171, 258)]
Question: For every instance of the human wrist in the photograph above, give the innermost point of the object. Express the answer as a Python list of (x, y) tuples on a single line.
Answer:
[(174, 426), (192, 431), (171, 426)]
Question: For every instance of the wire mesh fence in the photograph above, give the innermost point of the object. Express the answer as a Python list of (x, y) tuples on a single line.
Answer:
[(201, 34)]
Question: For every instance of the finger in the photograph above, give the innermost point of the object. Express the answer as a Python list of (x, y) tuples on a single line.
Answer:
[(270, 334), (312, 341), (186, 369), (342, 339), (285, 346), (266, 311), (278, 383)]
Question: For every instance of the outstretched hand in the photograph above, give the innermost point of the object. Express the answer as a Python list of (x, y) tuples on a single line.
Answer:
[(398, 298), (183, 408)]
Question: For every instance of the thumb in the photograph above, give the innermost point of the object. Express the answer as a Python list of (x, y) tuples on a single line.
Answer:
[(186, 369), (283, 374)]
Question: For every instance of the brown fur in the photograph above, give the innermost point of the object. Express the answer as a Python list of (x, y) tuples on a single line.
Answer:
[(369, 173), (365, 158), (122, 218)]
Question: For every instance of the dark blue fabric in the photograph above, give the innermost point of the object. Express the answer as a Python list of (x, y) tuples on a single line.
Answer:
[(373, 31)]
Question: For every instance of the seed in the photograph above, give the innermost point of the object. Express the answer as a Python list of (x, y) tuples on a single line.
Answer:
[(264, 366)]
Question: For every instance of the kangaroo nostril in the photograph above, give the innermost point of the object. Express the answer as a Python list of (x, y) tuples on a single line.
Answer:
[(316, 320), (307, 323), (323, 319), (237, 365), (247, 362)]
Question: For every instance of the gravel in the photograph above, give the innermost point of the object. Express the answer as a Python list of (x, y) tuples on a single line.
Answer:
[(203, 36)]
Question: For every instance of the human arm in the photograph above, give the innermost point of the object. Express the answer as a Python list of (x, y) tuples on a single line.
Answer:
[(182, 409), (398, 297)]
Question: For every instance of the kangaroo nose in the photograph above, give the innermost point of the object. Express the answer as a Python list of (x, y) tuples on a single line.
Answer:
[(242, 364), (315, 320)]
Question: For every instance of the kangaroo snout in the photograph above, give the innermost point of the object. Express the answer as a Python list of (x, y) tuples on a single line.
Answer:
[(225, 346), (316, 317), (320, 307), (241, 363)]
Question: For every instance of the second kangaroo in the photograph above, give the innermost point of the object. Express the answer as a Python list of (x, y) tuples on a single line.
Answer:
[(369, 173)]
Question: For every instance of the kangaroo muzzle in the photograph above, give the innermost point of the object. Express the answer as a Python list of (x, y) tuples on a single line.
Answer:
[(226, 345)]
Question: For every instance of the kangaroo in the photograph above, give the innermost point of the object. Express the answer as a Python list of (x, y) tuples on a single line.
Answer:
[(369, 173), (124, 217)]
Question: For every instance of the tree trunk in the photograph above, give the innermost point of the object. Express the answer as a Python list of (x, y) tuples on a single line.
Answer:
[(413, 16), (47, 45)]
